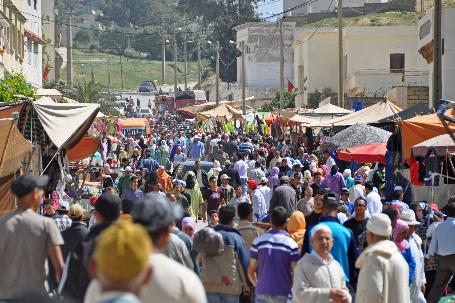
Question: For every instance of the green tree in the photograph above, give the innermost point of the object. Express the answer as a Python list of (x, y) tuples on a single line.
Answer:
[(12, 85), (115, 41), (289, 102)]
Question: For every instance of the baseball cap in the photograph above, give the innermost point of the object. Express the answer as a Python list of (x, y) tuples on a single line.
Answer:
[(123, 251), (298, 175), (64, 206), (331, 199), (24, 185), (398, 188), (264, 180), (76, 211), (224, 176), (128, 168), (108, 205), (344, 190), (380, 224), (155, 213), (358, 179)]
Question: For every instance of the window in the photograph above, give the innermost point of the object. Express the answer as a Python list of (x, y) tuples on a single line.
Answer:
[(35, 54), (35, 2), (396, 63), (29, 52)]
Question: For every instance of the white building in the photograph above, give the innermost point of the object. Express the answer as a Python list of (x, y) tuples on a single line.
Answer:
[(375, 60), (12, 37), (262, 54), (33, 57), (425, 47), (48, 28), (322, 6)]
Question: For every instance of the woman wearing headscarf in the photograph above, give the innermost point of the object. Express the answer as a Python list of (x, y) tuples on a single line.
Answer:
[(164, 154), (399, 234), (189, 226), (192, 188), (297, 227), (163, 178), (348, 179), (215, 170), (274, 179)]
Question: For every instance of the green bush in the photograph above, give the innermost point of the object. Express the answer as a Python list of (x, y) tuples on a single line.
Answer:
[(12, 85)]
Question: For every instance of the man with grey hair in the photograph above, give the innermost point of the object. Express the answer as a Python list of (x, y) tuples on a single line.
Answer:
[(384, 273), (318, 276)]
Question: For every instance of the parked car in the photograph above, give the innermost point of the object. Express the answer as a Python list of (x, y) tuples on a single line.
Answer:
[(120, 105), (147, 86), (144, 113), (181, 169)]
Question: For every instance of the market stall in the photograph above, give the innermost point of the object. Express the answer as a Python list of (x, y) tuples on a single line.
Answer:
[(13, 148), (421, 128), (364, 153), (368, 115), (357, 134)]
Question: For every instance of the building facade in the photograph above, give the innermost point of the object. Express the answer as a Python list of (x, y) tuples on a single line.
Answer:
[(262, 54), (33, 44), (323, 6), (425, 48), (376, 59), (12, 38)]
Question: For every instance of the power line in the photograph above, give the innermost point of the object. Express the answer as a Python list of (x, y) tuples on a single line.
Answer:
[(316, 30)]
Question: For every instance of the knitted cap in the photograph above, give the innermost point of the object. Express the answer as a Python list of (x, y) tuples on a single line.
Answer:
[(380, 224), (123, 251)]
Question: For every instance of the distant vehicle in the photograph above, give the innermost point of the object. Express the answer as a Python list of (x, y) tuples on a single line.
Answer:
[(120, 105), (147, 86), (184, 167), (144, 113), (181, 99)]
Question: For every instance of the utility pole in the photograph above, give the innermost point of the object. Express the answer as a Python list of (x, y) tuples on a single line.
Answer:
[(185, 59), (243, 78), (437, 54), (340, 55), (109, 74), (121, 70), (199, 79), (281, 66), (175, 56), (163, 55), (69, 50), (217, 90)]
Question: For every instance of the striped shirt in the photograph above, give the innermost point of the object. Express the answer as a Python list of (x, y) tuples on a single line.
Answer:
[(275, 251)]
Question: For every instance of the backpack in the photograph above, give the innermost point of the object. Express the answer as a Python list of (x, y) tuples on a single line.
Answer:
[(221, 269), (208, 242)]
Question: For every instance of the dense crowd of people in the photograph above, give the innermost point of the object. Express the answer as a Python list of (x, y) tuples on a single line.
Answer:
[(192, 213)]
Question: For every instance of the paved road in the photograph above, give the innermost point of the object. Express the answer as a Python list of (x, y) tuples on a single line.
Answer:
[(143, 97)]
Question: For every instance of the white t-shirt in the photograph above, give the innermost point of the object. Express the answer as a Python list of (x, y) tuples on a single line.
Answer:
[(171, 282)]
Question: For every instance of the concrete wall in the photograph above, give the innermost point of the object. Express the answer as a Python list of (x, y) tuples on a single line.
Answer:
[(448, 57), (367, 51), (262, 58), (407, 96), (48, 27), (33, 52), (12, 56)]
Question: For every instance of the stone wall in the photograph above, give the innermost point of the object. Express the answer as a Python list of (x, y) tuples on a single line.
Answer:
[(418, 94)]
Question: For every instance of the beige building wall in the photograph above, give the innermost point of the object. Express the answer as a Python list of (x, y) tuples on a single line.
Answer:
[(315, 62), (13, 53)]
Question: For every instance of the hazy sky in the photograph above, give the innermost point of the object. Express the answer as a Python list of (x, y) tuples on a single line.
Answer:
[(274, 7)]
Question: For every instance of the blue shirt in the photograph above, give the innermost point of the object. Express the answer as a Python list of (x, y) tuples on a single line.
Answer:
[(197, 149), (443, 241)]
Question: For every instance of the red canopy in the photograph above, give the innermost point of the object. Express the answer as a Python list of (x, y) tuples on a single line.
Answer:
[(364, 153)]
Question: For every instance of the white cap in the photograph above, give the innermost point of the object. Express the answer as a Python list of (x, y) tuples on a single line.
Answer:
[(128, 168), (409, 217), (264, 180), (64, 205), (380, 224), (319, 227), (224, 176)]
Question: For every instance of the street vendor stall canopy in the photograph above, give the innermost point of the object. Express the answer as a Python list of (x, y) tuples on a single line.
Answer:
[(288, 118), (408, 113), (222, 110), (13, 146), (357, 134), (367, 115), (62, 124), (441, 144), (364, 153), (421, 128)]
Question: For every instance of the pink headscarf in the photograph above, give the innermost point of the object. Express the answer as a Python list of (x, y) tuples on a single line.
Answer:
[(189, 221), (325, 170), (399, 228)]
